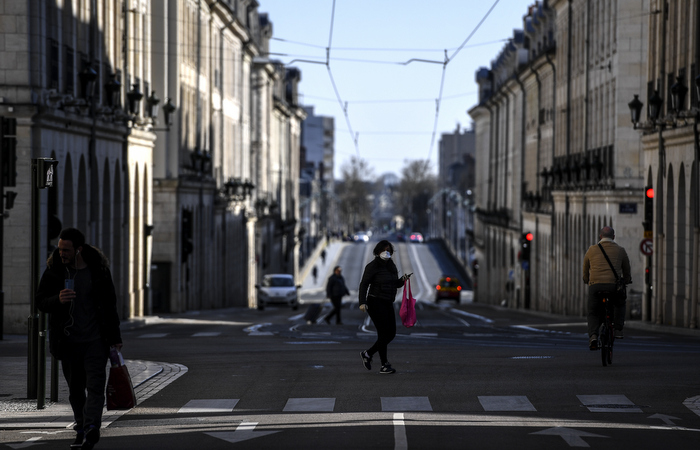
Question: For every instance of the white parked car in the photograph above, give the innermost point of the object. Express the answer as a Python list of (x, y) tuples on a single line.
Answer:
[(278, 288)]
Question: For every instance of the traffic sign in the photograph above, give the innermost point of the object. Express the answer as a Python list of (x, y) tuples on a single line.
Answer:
[(648, 234), (647, 247)]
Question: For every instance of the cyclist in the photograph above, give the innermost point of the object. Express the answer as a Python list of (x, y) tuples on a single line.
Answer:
[(599, 277)]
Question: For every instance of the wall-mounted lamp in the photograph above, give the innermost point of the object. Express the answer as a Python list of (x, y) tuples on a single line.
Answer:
[(113, 87), (152, 106), (134, 96), (168, 110), (88, 77)]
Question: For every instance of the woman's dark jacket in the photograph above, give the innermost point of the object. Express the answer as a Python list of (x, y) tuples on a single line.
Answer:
[(336, 287), (382, 279), (103, 294)]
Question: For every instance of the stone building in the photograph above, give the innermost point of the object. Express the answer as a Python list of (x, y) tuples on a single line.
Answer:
[(71, 91), (669, 134), (553, 159), (177, 143)]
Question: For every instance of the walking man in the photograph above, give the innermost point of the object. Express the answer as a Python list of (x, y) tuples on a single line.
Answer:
[(335, 290), (77, 291)]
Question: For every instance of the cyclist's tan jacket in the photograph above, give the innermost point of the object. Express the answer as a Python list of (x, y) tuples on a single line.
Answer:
[(597, 270)]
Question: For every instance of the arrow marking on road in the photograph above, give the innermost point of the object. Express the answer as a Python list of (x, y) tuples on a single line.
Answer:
[(668, 420), (571, 436), (28, 443), (244, 432)]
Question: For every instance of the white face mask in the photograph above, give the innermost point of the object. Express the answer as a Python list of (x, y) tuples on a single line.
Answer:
[(385, 255)]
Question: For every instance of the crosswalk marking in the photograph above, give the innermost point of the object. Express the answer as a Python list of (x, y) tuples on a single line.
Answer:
[(153, 335), (209, 406), (506, 403), (310, 404), (608, 403), (206, 334), (406, 404)]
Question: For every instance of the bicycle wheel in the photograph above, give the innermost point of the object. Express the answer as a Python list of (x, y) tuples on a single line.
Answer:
[(603, 344)]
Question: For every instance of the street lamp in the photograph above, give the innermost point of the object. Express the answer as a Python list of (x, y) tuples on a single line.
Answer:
[(678, 91), (112, 87), (168, 110), (87, 81), (134, 96), (152, 106)]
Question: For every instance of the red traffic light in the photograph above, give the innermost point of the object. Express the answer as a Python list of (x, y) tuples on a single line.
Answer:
[(650, 193), (528, 236)]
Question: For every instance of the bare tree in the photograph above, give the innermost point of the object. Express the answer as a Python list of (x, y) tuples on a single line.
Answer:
[(418, 184), (353, 193)]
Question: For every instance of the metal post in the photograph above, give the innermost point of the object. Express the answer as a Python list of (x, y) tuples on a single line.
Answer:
[(33, 319)]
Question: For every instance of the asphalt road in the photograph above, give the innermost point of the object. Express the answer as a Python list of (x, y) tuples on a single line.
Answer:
[(468, 376)]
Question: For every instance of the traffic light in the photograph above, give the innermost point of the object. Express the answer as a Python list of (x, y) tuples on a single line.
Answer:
[(647, 276), (186, 236), (9, 152), (525, 241), (648, 208)]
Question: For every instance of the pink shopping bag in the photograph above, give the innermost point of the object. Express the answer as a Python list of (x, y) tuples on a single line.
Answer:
[(408, 306)]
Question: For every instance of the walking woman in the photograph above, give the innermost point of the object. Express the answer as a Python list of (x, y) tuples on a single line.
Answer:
[(378, 286)]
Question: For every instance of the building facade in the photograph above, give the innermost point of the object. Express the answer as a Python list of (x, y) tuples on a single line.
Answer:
[(671, 150), (177, 142), (554, 159)]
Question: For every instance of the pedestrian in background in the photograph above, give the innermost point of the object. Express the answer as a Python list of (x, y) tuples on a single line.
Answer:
[(335, 290), (378, 286), (314, 273), (77, 291), (323, 256)]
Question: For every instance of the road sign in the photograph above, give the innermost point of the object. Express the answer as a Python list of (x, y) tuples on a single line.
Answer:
[(648, 234), (647, 247)]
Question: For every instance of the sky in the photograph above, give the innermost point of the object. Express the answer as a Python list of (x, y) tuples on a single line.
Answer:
[(386, 71)]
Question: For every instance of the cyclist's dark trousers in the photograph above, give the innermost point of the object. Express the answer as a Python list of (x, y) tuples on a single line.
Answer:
[(84, 369), (382, 314), (595, 307)]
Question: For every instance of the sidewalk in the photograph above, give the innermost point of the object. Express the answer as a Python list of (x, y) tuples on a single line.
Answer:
[(17, 412)]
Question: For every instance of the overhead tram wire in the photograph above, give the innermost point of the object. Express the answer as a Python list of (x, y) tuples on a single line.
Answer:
[(444, 69)]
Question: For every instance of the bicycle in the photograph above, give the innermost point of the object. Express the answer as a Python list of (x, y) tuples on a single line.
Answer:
[(606, 331)]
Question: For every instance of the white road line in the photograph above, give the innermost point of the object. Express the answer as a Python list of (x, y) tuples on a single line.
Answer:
[(400, 439), (421, 272), (608, 403), (209, 406), (693, 404), (310, 404), (506, 403), (207, 334), (153, 335)]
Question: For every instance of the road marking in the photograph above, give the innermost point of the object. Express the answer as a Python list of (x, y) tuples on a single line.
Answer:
[(473, 316), (310, 404), (421, 272), (28, 443), (153, 335), (253, 330), (668, 420), (245, 431), (693, 404), (400, 439), (506, 403), (311, 342), (608, 403), (570, 436), (406, 404), (209, 406), (206, 334)]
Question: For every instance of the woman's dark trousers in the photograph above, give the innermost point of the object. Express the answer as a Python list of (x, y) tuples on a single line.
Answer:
[(384, 319), (337, 305)]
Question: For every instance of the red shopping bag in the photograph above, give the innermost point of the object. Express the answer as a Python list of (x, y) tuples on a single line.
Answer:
[(120, 390), (408, 306)]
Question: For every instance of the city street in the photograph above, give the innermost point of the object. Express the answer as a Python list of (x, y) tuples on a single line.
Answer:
[(468, 376)]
